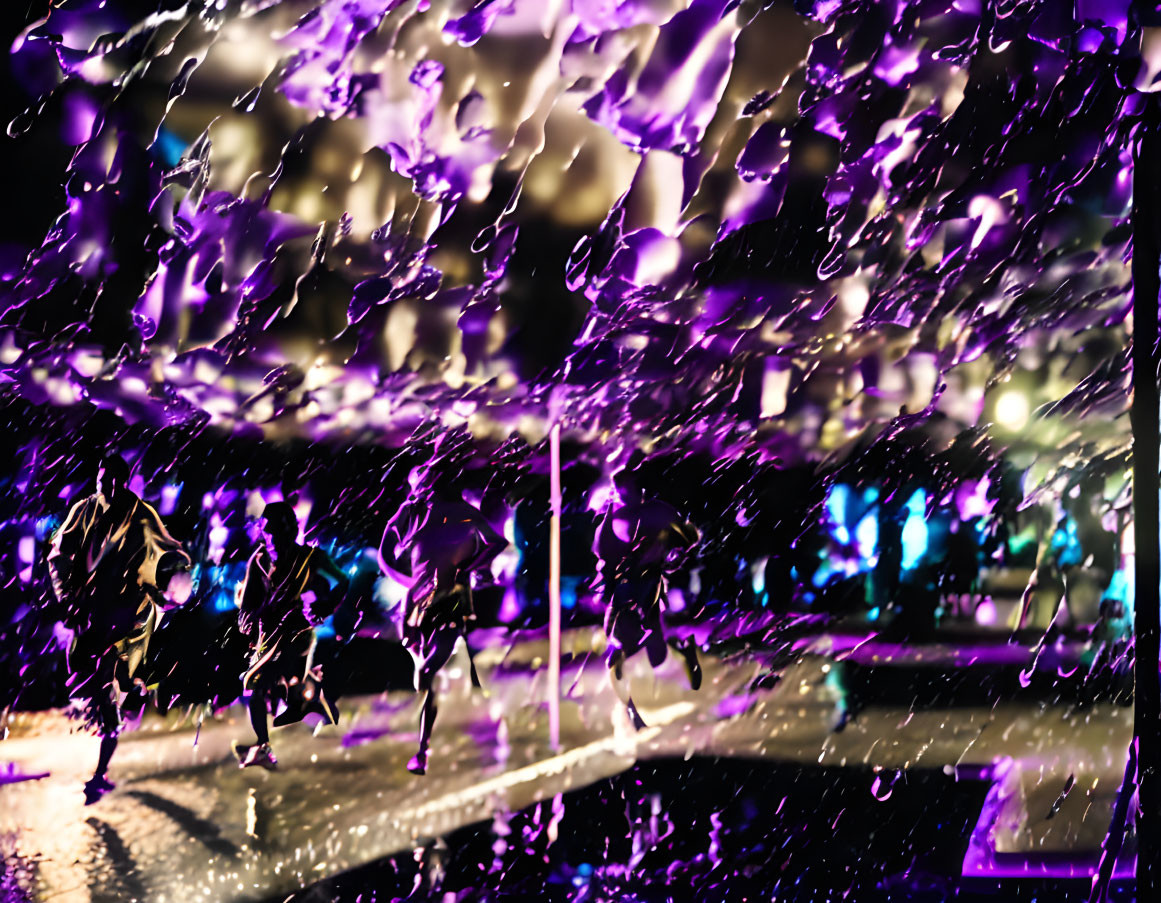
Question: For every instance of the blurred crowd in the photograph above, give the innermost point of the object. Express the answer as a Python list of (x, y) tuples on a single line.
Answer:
[(897, 538)]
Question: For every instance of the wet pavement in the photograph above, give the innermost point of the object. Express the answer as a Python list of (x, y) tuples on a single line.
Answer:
[(186, 823)]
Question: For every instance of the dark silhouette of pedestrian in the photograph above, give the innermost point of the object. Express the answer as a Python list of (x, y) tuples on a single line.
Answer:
[(288, 590), (433, 547), (639, 544), (110, 564)]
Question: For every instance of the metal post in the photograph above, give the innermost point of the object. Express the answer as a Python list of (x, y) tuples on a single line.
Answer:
[(1115, 839), (554, 593), (1144, 418)]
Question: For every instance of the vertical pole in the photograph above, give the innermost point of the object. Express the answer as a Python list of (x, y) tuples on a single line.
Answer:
[(1115, 839), (554, 593), (1144, 418)]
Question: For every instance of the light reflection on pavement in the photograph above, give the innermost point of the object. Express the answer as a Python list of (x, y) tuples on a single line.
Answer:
[(186, 823)]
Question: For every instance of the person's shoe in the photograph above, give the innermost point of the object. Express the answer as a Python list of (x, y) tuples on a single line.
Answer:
[(292, 714), (694, 670), (635, 716), (96, 787), (260, 754), (624, 732), (692, 666), (767, 680), (418, 763)]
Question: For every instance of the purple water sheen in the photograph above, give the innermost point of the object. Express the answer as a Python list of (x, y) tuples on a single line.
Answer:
[(245, 245), (674, 97), (868, 649), (1019, 231), (476, 22), (320, 76)]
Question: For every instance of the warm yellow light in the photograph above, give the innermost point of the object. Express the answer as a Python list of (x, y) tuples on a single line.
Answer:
[(1012, 410)]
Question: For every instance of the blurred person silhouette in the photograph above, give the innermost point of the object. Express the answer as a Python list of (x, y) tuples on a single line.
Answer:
[(113, 568), (1088, 574), (289, 589), (433, 546), (638, 544)]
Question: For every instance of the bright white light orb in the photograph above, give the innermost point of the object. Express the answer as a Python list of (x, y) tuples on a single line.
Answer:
[(1012, 410)]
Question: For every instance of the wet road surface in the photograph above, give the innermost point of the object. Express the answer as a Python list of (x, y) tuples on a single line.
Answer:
[(186, 823)]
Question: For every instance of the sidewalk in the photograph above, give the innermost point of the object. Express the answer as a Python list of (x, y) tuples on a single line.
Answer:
[(186, 823)]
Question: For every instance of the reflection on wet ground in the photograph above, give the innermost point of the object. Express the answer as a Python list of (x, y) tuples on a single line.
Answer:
[(719, 792)]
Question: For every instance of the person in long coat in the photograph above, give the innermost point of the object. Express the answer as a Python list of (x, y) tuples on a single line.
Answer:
[(111, 563)]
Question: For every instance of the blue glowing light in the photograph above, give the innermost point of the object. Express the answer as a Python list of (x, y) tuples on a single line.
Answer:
[(837, 499), (46, 526), (758, 577), (1118, 586), (1066, 544), (221, 581), (568, 591), (168, 147), (823, 574), (867, 539), (851, 519), (915, 530)]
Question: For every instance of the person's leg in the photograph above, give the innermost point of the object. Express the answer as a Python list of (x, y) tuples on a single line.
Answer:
[(259, 710), (109, 729), (655, 646), (1028, 600), (473, 673), (839, 679), (108, 709), (687, 649), (418, 763), (258, 683), (259, 753), (108, 721), (466, 614), (99, 784), (621, 688), (438, 651), (620, 683), (320, 696), (635, 716), (614, 656), (305, 685), (616, 662), (627, 636)]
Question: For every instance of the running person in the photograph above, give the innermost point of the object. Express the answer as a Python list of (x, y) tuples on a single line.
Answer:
[(432, 547), (288, 590), (110, 565), (639, 543)]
